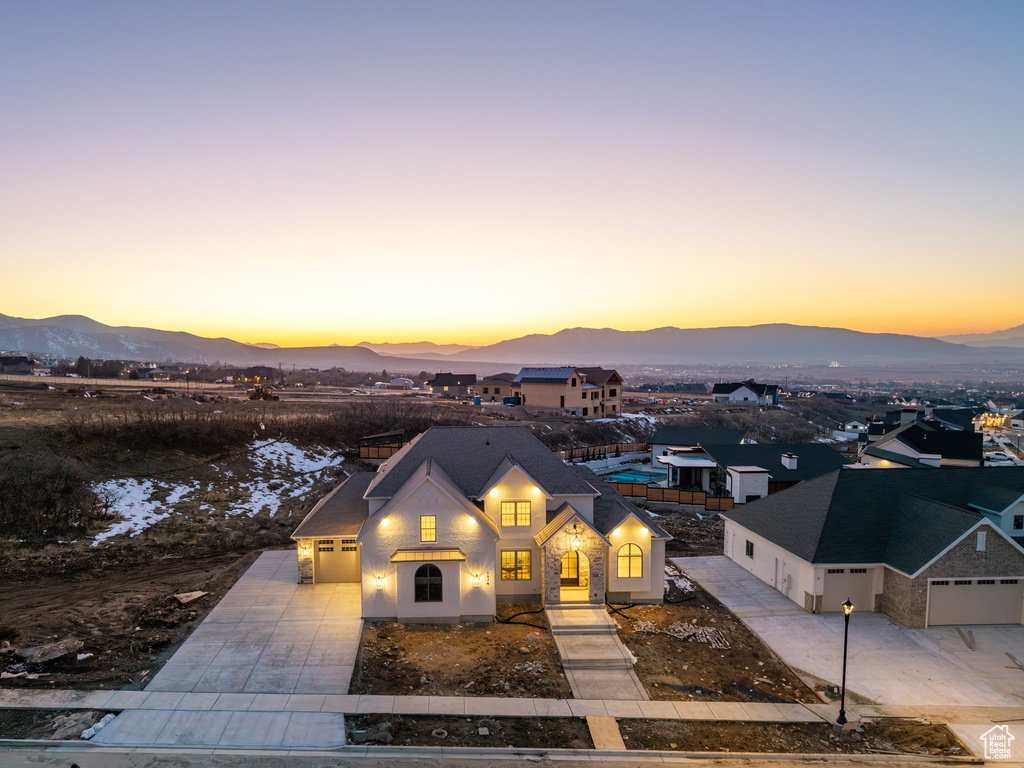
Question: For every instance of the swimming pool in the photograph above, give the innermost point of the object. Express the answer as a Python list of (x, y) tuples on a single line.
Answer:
[(636, 476)]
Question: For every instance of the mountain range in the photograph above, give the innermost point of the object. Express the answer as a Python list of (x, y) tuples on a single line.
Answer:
[(778, 343), (1011, 337)]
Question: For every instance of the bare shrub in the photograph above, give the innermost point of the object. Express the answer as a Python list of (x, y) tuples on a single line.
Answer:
[(44, 495)]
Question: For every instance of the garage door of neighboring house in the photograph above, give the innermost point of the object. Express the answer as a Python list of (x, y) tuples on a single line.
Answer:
[(852, 583), (975, 601), (336, 560)]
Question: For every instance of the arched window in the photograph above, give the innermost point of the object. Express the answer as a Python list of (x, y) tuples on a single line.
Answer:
[(428, 584), (631, 562)]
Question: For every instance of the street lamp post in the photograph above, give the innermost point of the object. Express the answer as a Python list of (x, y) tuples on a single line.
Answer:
[(847, 610)]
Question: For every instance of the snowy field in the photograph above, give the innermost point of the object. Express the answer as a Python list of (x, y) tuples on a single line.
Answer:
[(280, 472)]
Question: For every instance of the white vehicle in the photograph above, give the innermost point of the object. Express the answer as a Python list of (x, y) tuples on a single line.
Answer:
[(998, 457)]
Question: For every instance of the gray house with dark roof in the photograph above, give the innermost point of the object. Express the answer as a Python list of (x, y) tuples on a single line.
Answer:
[(464, 518), (928, 547)]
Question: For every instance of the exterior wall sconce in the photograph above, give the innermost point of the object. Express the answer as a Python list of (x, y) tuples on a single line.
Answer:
[(477, 579), (379, 581), (305, 549)]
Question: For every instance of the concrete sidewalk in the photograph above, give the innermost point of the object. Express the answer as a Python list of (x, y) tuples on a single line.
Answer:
[(470, 706), (595, 662), (271, 635)]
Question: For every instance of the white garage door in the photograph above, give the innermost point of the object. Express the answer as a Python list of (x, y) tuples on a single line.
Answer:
[(336, 560), (975, 601), (854, 584)]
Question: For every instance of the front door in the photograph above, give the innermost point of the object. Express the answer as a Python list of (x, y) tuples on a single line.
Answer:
[(571, 569)]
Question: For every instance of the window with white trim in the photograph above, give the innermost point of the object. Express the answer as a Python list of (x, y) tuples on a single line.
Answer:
[(515, 514), (631, 562), (982, 536)]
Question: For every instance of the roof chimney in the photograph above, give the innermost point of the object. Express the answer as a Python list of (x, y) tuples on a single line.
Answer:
[(789, 460)]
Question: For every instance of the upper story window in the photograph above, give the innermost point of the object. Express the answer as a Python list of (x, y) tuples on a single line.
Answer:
[(515, 513), (1018, 522), (611, 392), (982, 536), (574, 382), (428, 528)]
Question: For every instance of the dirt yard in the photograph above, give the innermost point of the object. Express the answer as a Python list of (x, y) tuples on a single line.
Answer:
[(486, 659), (886, 736), (125, 615), (676, 669), (541, 733), (696, 532), (47, 723)]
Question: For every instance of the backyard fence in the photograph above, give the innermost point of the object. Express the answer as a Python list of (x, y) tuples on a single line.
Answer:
[(385, 451), (594, 452), (675, 496)]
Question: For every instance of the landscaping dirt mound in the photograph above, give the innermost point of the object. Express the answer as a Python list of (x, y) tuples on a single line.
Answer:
[(46, 724), (479, 659), (673, 669)]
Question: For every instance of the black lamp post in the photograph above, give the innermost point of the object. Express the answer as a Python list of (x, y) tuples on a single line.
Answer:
[(847, 610)]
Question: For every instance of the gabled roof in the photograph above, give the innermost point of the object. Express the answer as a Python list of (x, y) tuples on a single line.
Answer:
[(430, 471), (507, 465), (502, 377), (993, 498), (694, 436), (958, 418), (544, 375), (813, 459), (850, 517), (934, 439), (471, 455), (762, 390), (562, 516), (452, 380), (601, 375), (340, 513)]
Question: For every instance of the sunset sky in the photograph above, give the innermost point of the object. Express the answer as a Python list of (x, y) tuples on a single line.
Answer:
[(329, 172)]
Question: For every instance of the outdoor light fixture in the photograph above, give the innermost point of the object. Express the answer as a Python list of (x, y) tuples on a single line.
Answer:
[(379, 581), (536, 490), (477, 579), (574, 538), (494, 491), (847, 610), (304, 549), (385, 521), (643, 531), (472, 520)]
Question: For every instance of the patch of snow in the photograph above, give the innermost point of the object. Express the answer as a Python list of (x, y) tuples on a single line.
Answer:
[(83, 656), (273, 458), (133, 501)]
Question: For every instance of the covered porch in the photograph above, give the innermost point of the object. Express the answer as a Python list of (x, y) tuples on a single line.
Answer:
[(574, 556), (688, 472)]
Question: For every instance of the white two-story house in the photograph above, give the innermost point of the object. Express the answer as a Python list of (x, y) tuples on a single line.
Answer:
[(464, 518)]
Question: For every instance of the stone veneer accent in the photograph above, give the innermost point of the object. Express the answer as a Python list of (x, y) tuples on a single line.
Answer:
[(596, 552), (905, 599), (808, 602), (306, 561), (878, 604)]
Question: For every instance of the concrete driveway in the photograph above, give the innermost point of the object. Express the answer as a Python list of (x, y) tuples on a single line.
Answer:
[(888, 663), (271, 635)]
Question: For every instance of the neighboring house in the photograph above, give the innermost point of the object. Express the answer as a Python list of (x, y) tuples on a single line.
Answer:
[(452, 384), (495, 388), (401, 383), (956, 419), (748, 472), (20, 366), (688, 466), (912, 545), (745, 393), (855, 425), (923, 444), (464, 518), (1017, 421), (576, 391)]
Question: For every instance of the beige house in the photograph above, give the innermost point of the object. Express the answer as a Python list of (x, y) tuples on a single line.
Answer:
[(464, 518), (495, 388), (928, 547), (586, 392)]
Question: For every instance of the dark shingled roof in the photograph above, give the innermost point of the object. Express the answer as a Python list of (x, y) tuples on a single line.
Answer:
[(813, 459), (898, 458), (339, 513), (851, 516), (763, 390), (470, 456), (696, 436), (599, 375), (453, 380), (961, 418), (611, 507), (544, 375), (946, 443)]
